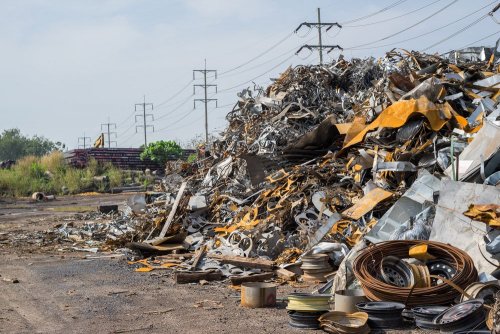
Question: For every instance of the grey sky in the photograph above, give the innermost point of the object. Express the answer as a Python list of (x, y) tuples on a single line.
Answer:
[(68, 65)]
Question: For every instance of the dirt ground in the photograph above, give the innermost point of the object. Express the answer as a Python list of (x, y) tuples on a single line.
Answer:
[(73, 292)]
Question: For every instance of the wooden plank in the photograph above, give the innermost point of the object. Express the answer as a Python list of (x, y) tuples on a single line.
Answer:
[(144, 247), (285, 274), (174, 209), (237, 280), (194, 277), (198, 257), (244, 262)]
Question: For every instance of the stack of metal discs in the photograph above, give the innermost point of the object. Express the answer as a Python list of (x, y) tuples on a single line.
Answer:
[(315, 267), (304, 309)]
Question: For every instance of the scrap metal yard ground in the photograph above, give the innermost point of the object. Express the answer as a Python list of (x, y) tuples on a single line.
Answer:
[(73, 292)]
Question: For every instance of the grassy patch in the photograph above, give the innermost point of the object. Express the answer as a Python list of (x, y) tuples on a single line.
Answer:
[(50, 174)]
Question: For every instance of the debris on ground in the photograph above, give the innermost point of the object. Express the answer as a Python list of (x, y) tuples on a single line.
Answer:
[(376, 180)]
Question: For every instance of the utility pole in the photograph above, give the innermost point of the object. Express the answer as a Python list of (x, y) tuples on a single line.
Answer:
[(85, 140), (320, 45), (107, 127), (144, 116), (206, 99)]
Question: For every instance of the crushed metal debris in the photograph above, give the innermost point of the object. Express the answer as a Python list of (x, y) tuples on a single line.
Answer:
[(331, 174)]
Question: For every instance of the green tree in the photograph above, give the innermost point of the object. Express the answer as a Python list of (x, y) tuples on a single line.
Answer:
[(14, 145), (161, 151)]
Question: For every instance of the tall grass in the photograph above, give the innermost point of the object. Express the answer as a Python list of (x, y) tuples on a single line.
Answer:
[(50, 174)]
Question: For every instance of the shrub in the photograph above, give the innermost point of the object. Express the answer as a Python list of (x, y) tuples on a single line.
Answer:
[(161, 151)]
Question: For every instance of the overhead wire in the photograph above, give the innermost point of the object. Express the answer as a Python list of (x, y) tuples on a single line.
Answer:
[(178, 105), (124, 132), (470, 25), (266, 62), (178, 120), (480, 40), (259, 55), (226, 105), (392, 5), (405, 29), (128, 138), (175, 94), (248, 81), (391, 18), (423, 34)]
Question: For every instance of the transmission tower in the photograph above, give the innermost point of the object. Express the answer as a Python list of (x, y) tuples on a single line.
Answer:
[(144, 116), (320, 45), (108, 127), (206, 99), (84, 140)]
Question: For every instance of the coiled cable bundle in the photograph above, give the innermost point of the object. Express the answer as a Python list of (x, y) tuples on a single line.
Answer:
[(367, 265)]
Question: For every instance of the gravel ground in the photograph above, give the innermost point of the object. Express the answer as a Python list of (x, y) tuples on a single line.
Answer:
[(61, 292)]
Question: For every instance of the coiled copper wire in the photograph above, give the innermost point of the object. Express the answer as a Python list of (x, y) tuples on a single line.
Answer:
[(367, 265)]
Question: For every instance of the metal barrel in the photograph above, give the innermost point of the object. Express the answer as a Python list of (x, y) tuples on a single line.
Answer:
[(258, 294)]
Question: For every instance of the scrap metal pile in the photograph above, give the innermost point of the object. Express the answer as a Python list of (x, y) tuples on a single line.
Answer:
[(361, 160)]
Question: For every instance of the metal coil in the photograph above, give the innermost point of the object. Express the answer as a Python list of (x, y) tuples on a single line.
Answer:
[(367, 263)]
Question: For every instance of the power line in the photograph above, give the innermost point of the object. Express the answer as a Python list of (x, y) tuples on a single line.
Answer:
[(479, 40), (265, 62), (178, 105), (457, 32), (144, 116), (178, 120), (108, 126), (246, 82), (205, 100), (259, 55), (464, 28), (128, 138), (226, 105), (392, 18), (126, 119), (84, 139), (168, 127), (319, 26), (424, 34), (394, 4), (130, 127), (175, 94), (405, 29)]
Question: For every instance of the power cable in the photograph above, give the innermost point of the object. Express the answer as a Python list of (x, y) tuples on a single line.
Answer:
[(266, 62), (457, 32), (244, 83), (259, 55), (479, 40), (126, 119), (394, 4), (175, 94), (424, 34), (178, 120), (392, 18), (226, 105), (175, 109), (124, 132), (128, 138), (405, 29)]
